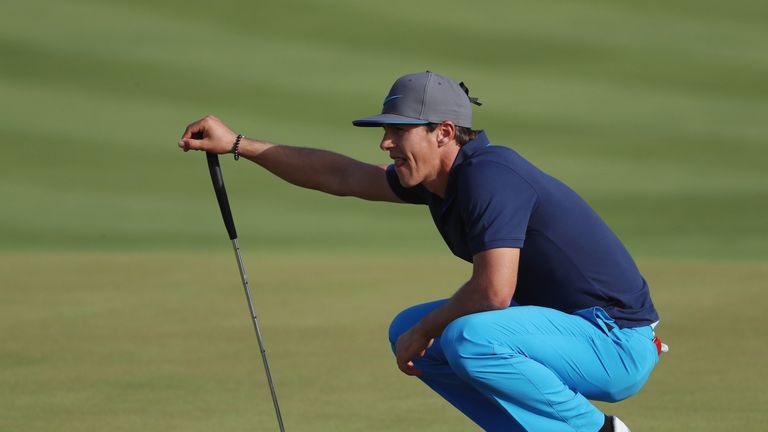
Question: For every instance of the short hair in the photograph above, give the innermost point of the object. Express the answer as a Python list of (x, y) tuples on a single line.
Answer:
[(463, 134)]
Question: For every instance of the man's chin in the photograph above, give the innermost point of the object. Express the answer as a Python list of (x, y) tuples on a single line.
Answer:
[(405, 182)]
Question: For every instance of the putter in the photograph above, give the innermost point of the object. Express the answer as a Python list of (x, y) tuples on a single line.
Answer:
[(226, 214)]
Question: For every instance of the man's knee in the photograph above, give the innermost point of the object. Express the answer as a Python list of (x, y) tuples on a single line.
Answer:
[(398, 326), (408, 318), (404, 321)]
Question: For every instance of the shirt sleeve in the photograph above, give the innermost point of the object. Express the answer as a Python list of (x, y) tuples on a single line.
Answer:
[(412, 195), (496, 204)]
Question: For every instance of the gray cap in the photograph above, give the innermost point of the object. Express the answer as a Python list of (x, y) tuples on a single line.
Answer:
[(423, 98)]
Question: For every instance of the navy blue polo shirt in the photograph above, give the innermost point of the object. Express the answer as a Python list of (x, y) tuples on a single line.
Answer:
[(569, 258)]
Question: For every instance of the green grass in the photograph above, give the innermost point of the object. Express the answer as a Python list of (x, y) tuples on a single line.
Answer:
[(162, 342), (119, 299)]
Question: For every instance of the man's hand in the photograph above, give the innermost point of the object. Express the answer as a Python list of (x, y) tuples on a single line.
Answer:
[(208, 134), (410, 345)]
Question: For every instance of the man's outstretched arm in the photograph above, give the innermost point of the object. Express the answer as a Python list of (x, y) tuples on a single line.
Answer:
[(306, 167), (493, 282)]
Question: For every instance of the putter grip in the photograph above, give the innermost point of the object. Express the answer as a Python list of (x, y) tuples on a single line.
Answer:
[(221, 194)]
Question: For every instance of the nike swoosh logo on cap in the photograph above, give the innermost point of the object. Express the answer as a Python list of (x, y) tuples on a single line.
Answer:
[(391, 98)]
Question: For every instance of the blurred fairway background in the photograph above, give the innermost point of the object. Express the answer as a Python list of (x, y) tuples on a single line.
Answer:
[(120, 304)]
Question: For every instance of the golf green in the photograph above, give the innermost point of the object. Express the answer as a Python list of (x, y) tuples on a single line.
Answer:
[(162, 342)]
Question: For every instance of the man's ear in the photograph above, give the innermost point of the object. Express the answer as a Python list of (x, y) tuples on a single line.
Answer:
[(446, 132)]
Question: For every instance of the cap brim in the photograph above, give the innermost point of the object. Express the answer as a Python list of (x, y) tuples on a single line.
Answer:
[(383, 119)]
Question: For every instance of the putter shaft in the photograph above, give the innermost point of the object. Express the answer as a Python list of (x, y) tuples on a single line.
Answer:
[(247, 288)]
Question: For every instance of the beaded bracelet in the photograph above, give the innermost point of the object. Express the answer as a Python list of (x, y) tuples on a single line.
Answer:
[(237, 146)]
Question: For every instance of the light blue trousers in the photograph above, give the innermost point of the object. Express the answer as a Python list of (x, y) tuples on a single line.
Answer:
[(529, 368)]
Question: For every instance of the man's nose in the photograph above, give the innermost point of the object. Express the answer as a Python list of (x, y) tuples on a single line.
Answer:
[(386, 144)]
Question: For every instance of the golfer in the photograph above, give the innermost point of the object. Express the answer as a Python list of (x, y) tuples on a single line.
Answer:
[(555, 313)]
